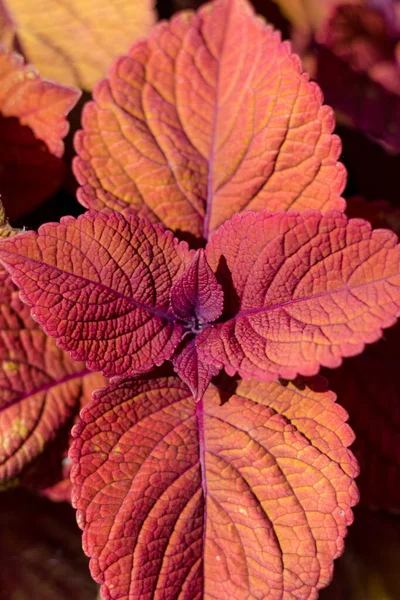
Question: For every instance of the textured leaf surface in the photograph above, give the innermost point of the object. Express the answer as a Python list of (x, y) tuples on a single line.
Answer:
[(309, 290), (209, 117), (197, 293), (246, 498), (41, 387), (195, 372), (74, 42), (101, 285), (40, 548), (40, 104), (373, 403)]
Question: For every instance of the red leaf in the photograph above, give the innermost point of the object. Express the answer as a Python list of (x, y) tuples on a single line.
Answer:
[(373, 403), (41, 387), (310, 289), (245, 498), (209, 117), (101, 285), (195, 372), (197, 293)]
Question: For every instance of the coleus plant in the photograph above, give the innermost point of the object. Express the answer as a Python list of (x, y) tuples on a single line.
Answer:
[(201, 470)]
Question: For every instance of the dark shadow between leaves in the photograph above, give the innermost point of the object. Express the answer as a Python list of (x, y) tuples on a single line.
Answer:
[(231, 299), (226, 385)]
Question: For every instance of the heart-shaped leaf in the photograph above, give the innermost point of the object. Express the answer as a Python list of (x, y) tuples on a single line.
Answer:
[(246, 493), (108, 301), (310, 289), (209, 117), (75, 42)]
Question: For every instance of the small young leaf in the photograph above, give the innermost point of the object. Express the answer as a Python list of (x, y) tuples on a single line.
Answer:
[(195, 372), (197, 293), (248, 498), (101, 285), (209, 117), (75, 42), (310, 289)]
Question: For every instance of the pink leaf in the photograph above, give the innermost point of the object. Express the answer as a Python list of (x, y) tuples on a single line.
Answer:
[(246, 498), (309, 290), (101, 285)]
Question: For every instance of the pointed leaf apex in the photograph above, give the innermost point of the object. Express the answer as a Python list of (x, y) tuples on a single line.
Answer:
[(197, 293)]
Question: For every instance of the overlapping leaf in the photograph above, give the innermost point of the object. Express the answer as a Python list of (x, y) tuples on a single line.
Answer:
[(209, 117), (35, 102), (301, 290), (41, 386), (108, 301), (32, 125), (74, 42), (309, 290), (248, 497)]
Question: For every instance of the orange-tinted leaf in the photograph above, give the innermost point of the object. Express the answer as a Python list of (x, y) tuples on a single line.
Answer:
[(40, 551), (307, 15), (74, 42), (41, 388), (40, 104), (32, 125), (209, 117), (368, 386), (309, 289), (242, 495)]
